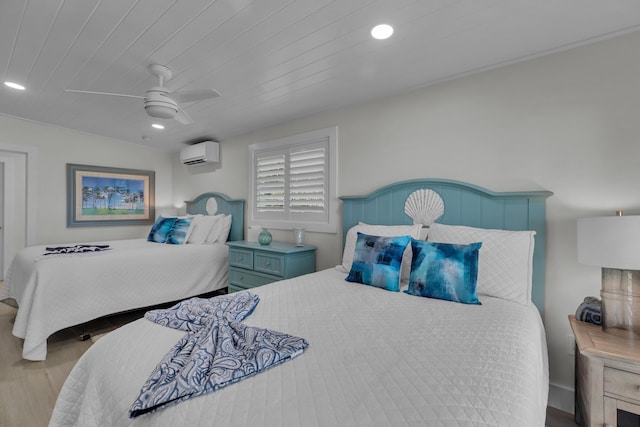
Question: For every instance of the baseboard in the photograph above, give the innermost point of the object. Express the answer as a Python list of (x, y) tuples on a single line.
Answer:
[(561, 397)]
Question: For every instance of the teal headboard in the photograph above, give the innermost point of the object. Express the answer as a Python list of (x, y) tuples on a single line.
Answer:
[(235, 208), (465, 204)]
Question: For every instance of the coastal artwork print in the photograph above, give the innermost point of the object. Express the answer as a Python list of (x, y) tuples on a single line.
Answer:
[(109, 196)]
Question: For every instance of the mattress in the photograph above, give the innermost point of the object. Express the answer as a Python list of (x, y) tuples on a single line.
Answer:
[(374, 358), (54, 292)]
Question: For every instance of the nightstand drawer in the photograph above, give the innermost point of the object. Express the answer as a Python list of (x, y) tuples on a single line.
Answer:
[(241, 258), (246, 280), (622, 383), (269, 263)]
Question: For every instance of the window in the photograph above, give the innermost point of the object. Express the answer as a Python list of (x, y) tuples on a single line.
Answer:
[(293, 182)]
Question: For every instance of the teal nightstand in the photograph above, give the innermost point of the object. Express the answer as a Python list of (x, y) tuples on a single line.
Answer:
[(252, 264)]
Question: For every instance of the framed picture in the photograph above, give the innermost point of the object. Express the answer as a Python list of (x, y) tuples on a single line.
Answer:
[(98, 196)]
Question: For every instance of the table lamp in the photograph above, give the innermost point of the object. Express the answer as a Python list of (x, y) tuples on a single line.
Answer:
[(613, 243)]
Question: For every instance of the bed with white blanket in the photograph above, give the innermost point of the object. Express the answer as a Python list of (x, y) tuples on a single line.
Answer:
[(372, 355), (59, 290)]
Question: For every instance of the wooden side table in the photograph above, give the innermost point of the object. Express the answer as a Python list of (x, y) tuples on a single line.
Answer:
[(607, 376), (252, 264)]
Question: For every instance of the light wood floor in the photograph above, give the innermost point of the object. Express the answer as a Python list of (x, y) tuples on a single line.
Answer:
[(558, 418), (28, 390)]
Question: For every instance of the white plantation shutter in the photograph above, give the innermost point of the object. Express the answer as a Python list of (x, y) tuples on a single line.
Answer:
[(270, 183), (293, 181), (308, 180)]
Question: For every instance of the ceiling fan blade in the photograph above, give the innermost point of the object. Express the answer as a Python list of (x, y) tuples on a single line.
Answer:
[(194, 95), (183, 117), (104, 93)]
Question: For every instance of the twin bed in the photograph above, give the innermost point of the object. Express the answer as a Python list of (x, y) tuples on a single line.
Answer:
[(374, 356), (57, 291)]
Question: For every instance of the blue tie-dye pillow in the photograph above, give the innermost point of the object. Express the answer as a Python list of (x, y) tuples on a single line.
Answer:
[(377, 261), (444, 271), (161, 229), (179, 231)]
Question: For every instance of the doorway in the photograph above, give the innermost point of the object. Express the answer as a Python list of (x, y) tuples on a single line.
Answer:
[(3, 202), (7, 208), (18, 201)]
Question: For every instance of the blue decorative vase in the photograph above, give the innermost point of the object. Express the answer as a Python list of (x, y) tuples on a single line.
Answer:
[(264, 238)]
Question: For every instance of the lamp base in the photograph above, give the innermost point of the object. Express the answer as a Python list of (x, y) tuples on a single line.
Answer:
[(621, 302)]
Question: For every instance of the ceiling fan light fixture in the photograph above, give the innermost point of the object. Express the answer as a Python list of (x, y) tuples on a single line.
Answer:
[(161, 111), (159, 105)]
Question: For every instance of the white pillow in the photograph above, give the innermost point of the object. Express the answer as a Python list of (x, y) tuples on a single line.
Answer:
[(226, 228), (424, 232), (384, 231), (201, 227), (220, 229), (505, 265)]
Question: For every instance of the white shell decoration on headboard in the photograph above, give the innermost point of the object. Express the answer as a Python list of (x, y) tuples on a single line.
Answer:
[(424, 206), (212, 206)]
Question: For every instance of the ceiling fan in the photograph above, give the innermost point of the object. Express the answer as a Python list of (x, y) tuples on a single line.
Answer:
[(159, 101)]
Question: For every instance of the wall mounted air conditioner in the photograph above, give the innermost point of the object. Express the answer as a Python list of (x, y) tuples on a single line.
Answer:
[(200, 153)]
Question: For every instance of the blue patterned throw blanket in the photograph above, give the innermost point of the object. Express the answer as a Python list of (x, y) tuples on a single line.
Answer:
[(75, 249), (216, 351)]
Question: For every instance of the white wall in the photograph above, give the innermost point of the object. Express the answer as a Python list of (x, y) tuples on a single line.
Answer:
[(568, 123), (54, 148)]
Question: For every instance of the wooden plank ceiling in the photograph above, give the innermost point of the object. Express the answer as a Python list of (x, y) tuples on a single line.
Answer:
[(271, 60)]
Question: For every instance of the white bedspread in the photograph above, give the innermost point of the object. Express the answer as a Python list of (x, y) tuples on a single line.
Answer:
[(57, 291), (374, 358)]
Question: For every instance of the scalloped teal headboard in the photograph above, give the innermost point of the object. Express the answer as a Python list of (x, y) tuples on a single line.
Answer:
[(465, 204), (228, 206)]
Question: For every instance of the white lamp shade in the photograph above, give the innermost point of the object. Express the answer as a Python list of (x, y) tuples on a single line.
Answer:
[(610, 242)]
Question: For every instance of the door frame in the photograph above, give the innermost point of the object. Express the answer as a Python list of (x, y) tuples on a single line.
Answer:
[(8, 195), (31, 199)]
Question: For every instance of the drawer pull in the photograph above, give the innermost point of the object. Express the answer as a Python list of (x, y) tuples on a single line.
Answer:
[(241, 277), (268, 263)]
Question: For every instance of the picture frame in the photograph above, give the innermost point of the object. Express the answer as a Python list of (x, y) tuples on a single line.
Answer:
[(106, 196)]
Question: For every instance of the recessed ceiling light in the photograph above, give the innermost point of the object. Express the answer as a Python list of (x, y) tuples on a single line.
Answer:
[(157, 126), (382, 31), (13, 85)]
